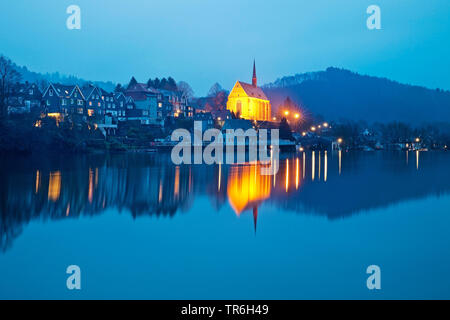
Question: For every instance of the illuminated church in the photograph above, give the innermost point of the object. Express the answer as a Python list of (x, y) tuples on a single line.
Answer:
[(248, 101)]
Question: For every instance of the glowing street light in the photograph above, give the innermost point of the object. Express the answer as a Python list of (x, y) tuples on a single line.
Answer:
[(339, 140), (286, 113), (297, 116), (417, 139), (303, 133), (325, 124), (274, 118), (313, 128)]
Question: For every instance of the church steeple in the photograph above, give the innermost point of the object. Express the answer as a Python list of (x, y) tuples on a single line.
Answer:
[(254, 80)]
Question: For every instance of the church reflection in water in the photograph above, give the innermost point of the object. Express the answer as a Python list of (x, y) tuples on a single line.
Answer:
[(323, 183)]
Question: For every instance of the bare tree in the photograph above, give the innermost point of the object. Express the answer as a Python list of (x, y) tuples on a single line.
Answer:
[(214, 90), (8, 77), (186, 89)]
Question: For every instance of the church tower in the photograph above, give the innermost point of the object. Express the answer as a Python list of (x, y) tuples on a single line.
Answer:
[(254, 80)]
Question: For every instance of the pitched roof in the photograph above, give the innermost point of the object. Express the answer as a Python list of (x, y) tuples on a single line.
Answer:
[(63, 90), (251, 91)]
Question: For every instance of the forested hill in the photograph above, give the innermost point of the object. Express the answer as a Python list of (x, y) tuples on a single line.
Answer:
[(55, 77), (341, 94)]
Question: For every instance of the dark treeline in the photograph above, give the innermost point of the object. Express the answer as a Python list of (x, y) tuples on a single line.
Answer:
[(432, 135)]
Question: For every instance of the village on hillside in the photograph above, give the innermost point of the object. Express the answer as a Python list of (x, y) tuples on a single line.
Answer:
[(142, 116)]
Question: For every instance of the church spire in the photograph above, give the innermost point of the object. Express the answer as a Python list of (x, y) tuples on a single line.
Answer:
[(254, 80)]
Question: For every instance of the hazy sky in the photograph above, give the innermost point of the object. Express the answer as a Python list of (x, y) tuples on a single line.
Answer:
[(207, 41)]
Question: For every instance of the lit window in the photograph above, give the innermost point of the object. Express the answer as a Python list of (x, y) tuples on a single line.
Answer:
[(90, 112)]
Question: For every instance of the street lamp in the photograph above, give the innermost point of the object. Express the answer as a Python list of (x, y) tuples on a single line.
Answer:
[(339, 140), (297, 116), (286, 113)]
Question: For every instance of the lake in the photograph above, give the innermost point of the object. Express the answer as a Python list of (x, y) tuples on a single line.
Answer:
[(140, 227)]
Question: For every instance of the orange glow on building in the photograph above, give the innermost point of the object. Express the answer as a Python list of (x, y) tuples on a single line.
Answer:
[(247, 188), (54, 186), (57, 116), (249, 101)]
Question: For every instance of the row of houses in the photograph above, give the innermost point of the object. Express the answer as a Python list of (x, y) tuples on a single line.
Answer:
[(138, 102)]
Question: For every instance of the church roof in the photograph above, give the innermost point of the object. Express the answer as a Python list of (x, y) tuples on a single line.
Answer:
[(251, 91)]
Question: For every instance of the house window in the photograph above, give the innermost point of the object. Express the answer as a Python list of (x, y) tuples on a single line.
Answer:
[(80, 102), (50, 93), (99, 104), (121, 103), (30, 92), (80, 110), (72, 101), (64, 102), (90, 103), (90, 112)]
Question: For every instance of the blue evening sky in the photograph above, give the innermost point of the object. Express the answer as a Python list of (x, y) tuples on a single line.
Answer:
[(207, 41)]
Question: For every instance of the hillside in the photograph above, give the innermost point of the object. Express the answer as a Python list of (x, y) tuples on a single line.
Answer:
[(342, 94), (56, 77)]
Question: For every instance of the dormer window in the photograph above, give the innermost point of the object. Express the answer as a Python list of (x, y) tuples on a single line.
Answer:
[(50, 93)]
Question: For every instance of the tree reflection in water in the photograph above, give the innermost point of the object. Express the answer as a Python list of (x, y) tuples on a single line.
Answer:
[(331, 184)]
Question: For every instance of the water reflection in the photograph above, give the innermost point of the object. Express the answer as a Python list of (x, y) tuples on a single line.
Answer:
[(333, 184)]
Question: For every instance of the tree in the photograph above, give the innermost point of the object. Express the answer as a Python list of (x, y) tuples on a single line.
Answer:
[(186, 89), (132, 83), (156, 83), (214, 90), (171, 84), (118, 88), (163, 83), (8, 78)]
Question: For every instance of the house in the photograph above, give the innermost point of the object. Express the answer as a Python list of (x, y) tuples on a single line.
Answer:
[(95, 104), (111, 105), (25, 97), (123, 105), (76, 107), (249, 101), (206, 119), (57, 100), (145, 100)]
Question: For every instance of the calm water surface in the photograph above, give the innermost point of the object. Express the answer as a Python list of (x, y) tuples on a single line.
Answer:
[(140, 227)]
